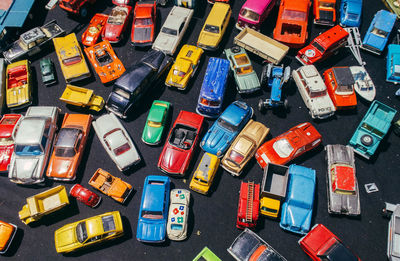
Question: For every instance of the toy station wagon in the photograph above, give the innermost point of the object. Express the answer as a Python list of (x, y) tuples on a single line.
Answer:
[(204, 175), (325, 12), (350, 13), (18, 85), (8, 126), (178, 214), (155, 122), (7, 233), (340, 85), (143, 26), (94, 30)]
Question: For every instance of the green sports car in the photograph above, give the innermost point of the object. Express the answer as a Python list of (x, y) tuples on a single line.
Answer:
[(154, 128)]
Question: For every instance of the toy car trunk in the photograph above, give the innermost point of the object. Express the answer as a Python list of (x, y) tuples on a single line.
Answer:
[(273, 189), (82, 97), (248, 208), (253, 13)]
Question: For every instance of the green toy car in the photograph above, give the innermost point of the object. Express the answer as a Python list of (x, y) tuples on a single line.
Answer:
[(47, 71), (155, 123), (207, 255)]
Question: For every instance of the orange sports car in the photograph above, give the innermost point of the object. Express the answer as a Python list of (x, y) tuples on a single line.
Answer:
[(7, 233), (69, 146), (94, 30)]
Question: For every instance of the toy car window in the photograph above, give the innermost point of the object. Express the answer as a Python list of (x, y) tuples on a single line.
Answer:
[(211, 29), (64, 152), (169, 31), (270, 210), (337, 251), (244, 70), (352, 16), (161, 104), (396, 70), (9, 121), (81, 232), (152, 214), (143, 21), (226, 125), (72, 60), (344, 89), (236, 157), (121, 149), (248, 14), (201, 180), (178, 73), (318, 46), (241, 59), (176, 227), (379, 32), (283, 148), (317, 93), (326, 5), (117, 16), (108, 223), (294, 15), (28, 150), (122, 93)]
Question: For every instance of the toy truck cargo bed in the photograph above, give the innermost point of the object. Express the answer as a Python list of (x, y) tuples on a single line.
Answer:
[(82, 97)]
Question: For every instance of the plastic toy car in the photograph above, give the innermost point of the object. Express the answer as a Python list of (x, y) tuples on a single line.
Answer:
[(144, 23), (214, 27), (70, 57), (364, 86), (33, 142), (8, 126), (341, 181), (321, 244), (392, 210), (155, 123), (393, 64), (47, 72), (76, 7), (244, 147), (340, 85), (173, 30), (323, 46), (117, 23), (372, 129), (245, 77), (289, 145), (105, 62), (87, 232), (292, 23), (350, 13), (178, 214), (82, 97), (185, 66), (153, 213), (204, 175), (7, 233), (222, 133), (249, 205), (213, 88), (313, 91), (116, 141), (297, 209), (85, 196), (206, 254), (182, 142), (69, 146), (18, 85), (325, 12), (378, 32), (253, 13), (94, 30)]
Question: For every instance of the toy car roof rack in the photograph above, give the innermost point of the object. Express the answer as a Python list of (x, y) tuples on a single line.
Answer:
[(354, 42)]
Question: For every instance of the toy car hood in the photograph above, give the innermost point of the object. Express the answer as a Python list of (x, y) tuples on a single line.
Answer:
[(166, 42), (142, 33), (209, 38), (174, 159), (249, 81), (61, 167), (26, 170), (217, 139), (151, 232), (374, 41), (151, 133), (112, 31), (65, 237)]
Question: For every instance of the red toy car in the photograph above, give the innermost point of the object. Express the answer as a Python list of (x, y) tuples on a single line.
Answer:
[(85, 196), (321, 244), (325, 12), (93, 32), (182, 140), (78, 7), (340, 84), (7, 125), (249, 205), (289, 145), (143, 23), (117, 23), (323, 45), (122, 2)]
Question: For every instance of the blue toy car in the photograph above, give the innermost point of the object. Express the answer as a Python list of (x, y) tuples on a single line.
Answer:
[(393, 63), (298, 206), (213, 88), (372, 128), (378, 32), (350, 13), (222, 133), (153, 213)]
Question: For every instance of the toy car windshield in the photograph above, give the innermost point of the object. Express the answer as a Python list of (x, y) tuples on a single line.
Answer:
[(152, 214), (143, 21), (211, 29), (226, 125), (169, 31), (338, 252), (248, 14), (294, 15)]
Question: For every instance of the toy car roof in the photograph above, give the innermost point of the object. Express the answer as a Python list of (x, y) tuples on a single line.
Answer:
[(67, 137), (30, 131), (32, 35), (343, 76)]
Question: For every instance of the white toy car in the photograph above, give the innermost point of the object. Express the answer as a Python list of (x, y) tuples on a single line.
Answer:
[(393, 244), (178, 214), (173, 30), (116, 141), (313, 91), (33, 143)]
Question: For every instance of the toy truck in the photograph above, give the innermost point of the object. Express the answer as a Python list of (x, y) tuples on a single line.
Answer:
[(273, 189), (248, 208), (44, 203), (82, 97)]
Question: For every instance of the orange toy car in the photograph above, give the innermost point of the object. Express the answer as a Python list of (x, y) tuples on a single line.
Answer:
[(7, 233), (94, 30), (69, 146), (340, 85), (325, 12), (105, 61)]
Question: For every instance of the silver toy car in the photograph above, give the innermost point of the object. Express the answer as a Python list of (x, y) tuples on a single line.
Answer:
[(393, 243)]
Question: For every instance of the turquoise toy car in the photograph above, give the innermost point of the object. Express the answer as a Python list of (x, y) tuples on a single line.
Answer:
[(372, 129), (155, 123)]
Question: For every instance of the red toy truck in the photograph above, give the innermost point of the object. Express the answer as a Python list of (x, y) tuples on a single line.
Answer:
[(249, 204)]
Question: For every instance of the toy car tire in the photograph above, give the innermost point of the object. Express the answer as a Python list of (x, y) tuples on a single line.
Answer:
[(264, 76), (366, 140), (261, 105), (286, 104), (235, 49)]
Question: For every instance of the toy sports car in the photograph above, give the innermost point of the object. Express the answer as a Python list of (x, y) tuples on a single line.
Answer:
[(8, 126), (144, 23), (155, 123), (94, 30), (178, 214), (350, 13), (117, 23), (18, 85)]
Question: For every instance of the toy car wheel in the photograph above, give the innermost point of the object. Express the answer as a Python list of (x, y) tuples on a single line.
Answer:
[(261, 105), (264, 75), (286, 104), (366, 140), (83, 12)]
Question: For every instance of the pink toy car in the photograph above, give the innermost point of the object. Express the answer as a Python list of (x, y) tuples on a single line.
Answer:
[(85, 196), (253, 13)]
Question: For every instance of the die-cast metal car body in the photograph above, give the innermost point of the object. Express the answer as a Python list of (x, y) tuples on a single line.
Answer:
[(393, 64), (325, 12), (155, 122), (7, 233), (248, 206), (8, 126), (85, 196), (19, 85), (204, 175), (117, 23), (144, 23), (178, 214), (340, 85), (350, 13), (393, 247), (76, 7), (94, 30), (47, 72), (253, 13)]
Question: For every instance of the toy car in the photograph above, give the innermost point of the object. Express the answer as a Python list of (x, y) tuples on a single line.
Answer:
[(82, 97), (378, 32), (297, 209), (155, 122), (47, 72), (393, 64), (253, 13), (8, 126), (341, 181), (291, 26), (323, 46), (325, 12), (144, 23), (206, 254), (321, 244), (214, 27), (7, 233), (182, 141), (289, 145), (18, 85), (313, 91), (215, 1), (85, 196), (340, 85), (245, 77), (178, 214), (76, 7), (393, 6), (3, 69), (153, 213), (186, 3), (185, 66), (204, 175), (87, 232), (70, 57), (372, 129), (249, 205), (350, 13), (222, 133), (116, 141), (392, 210), (105, 62), (69, 146), (117, 23), (364, 86), (243, 147), (33, 142), (94, 30), (123, 2), (173, 30)]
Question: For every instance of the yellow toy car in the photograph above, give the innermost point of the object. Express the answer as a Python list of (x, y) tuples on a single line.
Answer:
[(87, 232), (204, 174), (273, 207), (185, 66), (18, 85), (214, 27), (70, 56)]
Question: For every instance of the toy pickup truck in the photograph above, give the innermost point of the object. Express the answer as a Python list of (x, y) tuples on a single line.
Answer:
[(44, 203), (82, 97), (248, 208), (265, 47)]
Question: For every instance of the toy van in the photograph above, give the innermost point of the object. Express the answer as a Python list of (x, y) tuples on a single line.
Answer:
[(253, 13)]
